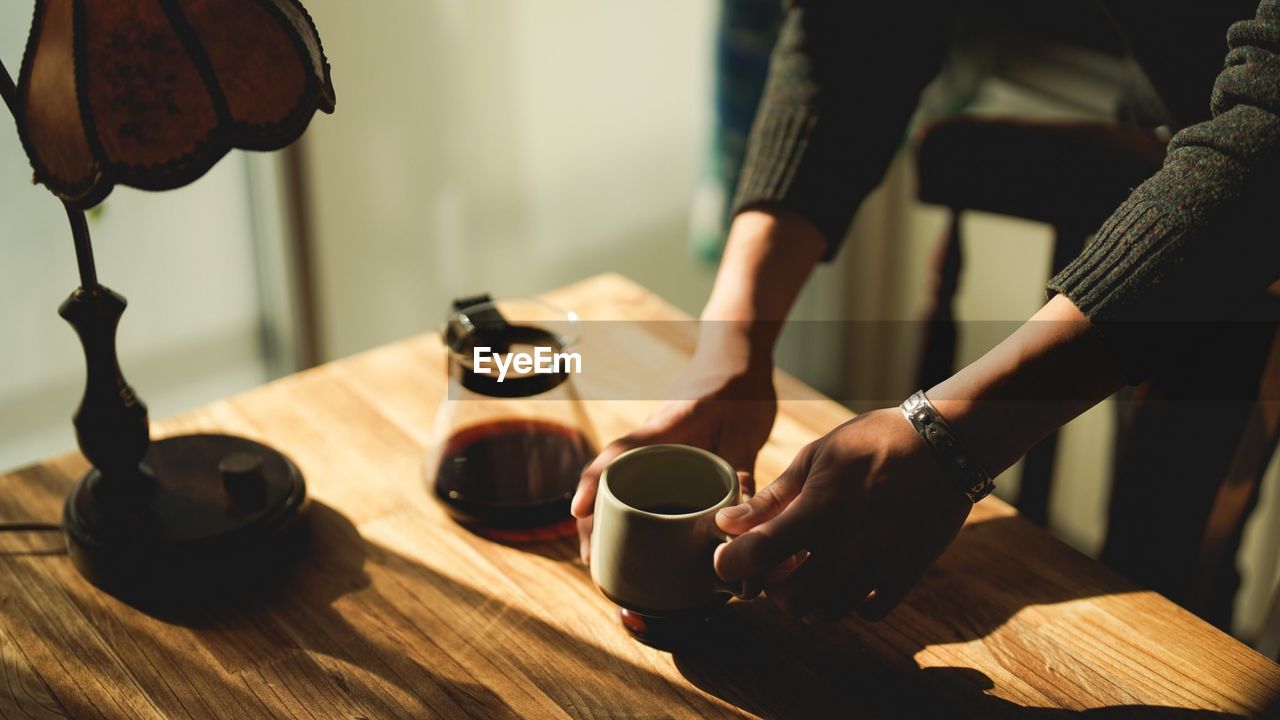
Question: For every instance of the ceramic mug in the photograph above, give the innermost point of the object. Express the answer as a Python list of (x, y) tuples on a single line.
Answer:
[(655, 531)]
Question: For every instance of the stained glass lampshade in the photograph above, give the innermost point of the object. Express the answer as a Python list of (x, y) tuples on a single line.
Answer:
[(152, 93)]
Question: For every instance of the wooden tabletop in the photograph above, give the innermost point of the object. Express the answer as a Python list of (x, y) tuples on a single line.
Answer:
[(395, 611)]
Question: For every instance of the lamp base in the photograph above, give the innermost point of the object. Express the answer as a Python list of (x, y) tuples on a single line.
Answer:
[(222, 511)]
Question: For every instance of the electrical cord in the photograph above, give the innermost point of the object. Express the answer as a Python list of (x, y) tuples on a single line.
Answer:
[(30, 527)]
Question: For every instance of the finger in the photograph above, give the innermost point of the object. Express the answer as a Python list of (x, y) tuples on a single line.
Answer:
[(584, 538), (848, 593), (746, 484), (836, 579), (890, 592), (769, 502), (760, 508), (826, 587), (778, 574), (756, 553), (584, 500), (787, 567)]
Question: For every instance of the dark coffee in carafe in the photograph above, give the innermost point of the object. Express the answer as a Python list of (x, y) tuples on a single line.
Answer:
[(510, 449)]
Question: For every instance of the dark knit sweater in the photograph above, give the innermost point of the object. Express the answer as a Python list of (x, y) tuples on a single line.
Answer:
[(1192, 245)]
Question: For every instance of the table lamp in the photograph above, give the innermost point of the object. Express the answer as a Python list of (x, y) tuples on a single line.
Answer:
[(151, 94)]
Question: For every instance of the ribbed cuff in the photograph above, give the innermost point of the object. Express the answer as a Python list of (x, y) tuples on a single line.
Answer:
[(784, 168), (778, 142), (1127, 249), (1114, 282)]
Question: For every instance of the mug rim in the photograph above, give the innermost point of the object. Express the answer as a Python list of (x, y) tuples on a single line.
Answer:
[(720, 463)]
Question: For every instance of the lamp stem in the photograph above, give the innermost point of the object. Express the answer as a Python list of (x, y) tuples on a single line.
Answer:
[(79, 227), (8, 91), (84, 248)]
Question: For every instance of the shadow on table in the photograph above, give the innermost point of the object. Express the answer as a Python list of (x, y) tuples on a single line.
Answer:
[(313, 608), (984, 705), (797, 670), (324, 632), (765, 662), (285, 629)]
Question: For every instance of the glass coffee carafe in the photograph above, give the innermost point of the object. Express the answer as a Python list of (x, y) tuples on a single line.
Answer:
[(511, 438)]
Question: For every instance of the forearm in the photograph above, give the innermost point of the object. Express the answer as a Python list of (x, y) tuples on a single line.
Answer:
[(1050, 370), (767, 260), (769, 256)]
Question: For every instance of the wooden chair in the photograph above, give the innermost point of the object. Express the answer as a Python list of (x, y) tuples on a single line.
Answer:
[(1070, 175)]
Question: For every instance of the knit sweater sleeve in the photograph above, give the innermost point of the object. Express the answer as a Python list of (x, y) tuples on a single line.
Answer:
[(842, 85), (1199, 241)]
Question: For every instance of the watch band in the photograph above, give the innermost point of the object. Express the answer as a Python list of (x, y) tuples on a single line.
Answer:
[(937, 435)]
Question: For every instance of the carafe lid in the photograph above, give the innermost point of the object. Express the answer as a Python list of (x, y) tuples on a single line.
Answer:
[(477, 322)]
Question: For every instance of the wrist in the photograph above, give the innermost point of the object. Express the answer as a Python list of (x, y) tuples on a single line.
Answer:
[(1049, 371), (962, 469), (767, 260), (733, 352)]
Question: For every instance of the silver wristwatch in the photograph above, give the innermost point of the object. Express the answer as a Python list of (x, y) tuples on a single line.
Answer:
[(942, 442)]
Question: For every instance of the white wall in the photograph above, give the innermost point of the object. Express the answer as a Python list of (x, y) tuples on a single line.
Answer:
[(503, 146)]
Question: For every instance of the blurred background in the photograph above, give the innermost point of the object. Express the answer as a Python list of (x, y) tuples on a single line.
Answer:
[(513, 147)]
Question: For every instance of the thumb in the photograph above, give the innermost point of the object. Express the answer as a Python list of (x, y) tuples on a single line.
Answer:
[(762, 507), (769, 502), (759, 553)]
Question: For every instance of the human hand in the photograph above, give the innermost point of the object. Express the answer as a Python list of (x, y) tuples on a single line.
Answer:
[(729, 413), (850, 525), (726, 403)]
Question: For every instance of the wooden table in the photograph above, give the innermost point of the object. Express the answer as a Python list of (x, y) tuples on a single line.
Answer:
[(397, 612)]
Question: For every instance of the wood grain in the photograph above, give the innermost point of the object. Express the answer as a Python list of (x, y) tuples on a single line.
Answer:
[(394, 611)]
